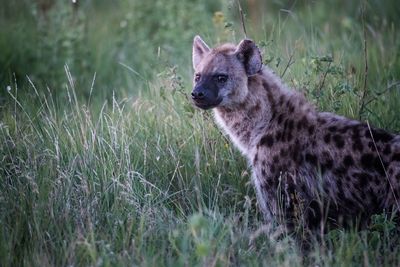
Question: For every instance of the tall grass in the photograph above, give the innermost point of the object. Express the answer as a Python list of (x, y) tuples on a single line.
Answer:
[(104, 161)]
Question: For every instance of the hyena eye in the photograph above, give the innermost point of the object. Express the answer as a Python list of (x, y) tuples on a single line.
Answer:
[(197, 78), (222, 78)]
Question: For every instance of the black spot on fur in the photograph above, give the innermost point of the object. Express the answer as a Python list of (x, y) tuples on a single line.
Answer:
[(371, 145), (348, 161), (278, 136), (281, 99), (275, 159), (363, 195), (340, 172), (339, 184), (355, 134), (311, 159), (379, 166), (289, 136), (256, 108), (265, 85), (311, 129), (290, 125), (357, 145), (299, 125), (374, 199), (303, 123), (327, 138), (377, 181), (272, 183), (280, 119), (287, 130), (267, 140), (340, 193), (272, 169), (367, 160), (344, 129), (291, 108), (348, 203), (332, 128), (282, 168), (300, 159), (379, 135), (387, 150), (255, 160), (263, 172), (246, 136), (304, 188), (363, 179), (326, 165), (339, 142), (396, 157), (236, 125), (313, 143), (296, 153)]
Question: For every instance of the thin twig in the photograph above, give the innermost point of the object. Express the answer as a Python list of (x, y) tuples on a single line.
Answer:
[(242, 19), (290, 62), (383, 166), (390, 86), (364, 89), (321, 84)]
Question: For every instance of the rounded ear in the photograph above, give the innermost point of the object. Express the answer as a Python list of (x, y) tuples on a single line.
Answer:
[(200, 48), (248, 53)]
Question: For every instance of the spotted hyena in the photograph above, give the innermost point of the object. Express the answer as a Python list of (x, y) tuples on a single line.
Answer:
[(308, 165)]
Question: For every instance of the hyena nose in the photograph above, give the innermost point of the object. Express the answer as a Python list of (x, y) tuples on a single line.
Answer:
[(197, 95)]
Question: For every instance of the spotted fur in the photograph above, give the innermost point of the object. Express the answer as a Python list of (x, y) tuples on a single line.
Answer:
[(308, 165)]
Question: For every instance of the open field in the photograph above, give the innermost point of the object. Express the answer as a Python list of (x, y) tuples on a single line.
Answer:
[(104, 161)]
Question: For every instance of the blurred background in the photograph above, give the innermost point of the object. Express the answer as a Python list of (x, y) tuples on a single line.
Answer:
[(128, 42)]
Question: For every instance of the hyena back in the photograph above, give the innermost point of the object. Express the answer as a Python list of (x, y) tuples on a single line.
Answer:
[(314, 166)]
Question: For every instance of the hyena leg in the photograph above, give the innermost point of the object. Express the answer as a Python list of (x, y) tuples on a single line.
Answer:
[(266, 201), (278, 201)]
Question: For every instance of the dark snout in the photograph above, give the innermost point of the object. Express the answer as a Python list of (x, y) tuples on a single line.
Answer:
[(198, 94), (205, 98)]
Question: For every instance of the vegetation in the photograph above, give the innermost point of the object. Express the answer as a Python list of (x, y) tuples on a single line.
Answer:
[(104, 161)]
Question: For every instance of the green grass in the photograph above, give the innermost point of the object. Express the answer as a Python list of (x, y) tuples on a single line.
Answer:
[(104, 161)]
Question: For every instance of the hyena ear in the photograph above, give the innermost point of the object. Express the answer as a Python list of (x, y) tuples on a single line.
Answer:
[(248, 53), (200, 48)]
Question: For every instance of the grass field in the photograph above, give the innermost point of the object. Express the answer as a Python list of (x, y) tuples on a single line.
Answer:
[(104, 161)]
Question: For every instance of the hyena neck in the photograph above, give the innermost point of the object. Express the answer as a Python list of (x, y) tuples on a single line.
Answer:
[(268, 101)]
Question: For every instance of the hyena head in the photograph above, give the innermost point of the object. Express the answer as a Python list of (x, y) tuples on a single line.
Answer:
[(221, 73)]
